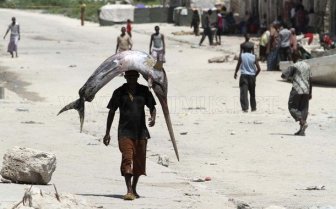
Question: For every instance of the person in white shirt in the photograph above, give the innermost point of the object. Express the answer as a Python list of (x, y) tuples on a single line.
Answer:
[(157, 46), (285, 45), (14, 28), (124, 41)]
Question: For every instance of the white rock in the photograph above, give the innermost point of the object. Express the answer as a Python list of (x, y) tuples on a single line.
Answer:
[(49, 201), (163, 160), (25, 165)]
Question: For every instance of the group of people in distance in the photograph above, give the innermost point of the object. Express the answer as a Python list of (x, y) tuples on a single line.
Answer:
[(157, 46), (278, 43), (207, 25), (299, 73)]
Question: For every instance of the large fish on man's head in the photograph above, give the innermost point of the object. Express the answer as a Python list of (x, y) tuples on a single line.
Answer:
[(114, 66)]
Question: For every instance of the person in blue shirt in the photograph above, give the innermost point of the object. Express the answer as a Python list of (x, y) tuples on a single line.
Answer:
[(249, 68)]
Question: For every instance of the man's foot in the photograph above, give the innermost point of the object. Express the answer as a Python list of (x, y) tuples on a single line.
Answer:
[(253, 110), (302, 130), (245, 111), (129, 196), (136, 195), (300, 133)]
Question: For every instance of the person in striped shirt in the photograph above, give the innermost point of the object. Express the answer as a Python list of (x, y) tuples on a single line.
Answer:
[(298, 104)]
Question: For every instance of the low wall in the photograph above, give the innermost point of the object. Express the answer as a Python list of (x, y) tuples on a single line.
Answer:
[(151, 15), (156, 15), (183, 20)]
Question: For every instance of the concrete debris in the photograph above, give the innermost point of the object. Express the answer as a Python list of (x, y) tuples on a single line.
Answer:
[(22, 109), (197, 179), (182, 33), (207, 178), (35, 198), (316, 188), (221, 59), (190, 194), (240, 204), (6, 181), (163, 160), (25, 165)]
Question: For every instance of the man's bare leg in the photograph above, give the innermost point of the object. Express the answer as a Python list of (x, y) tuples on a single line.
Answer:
[(134, 185), (303, 126), (130, 193)]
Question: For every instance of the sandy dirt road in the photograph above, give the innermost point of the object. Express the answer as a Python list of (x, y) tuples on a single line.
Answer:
[(252, 157)]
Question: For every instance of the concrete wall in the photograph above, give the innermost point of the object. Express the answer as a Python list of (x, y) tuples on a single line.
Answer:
[(182, 20), (150, 15)]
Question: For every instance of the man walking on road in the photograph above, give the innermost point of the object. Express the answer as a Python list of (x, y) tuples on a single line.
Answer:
[(249, 67), (207, 28), (14, 28), (82, 8), (131, 98), (157, 46), (124, 41), (298, 103), (247, 44)]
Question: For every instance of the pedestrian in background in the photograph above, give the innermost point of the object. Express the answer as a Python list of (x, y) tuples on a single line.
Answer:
[(298, 103), (195, 21), (129, 28), (14, 29), (157, 46), (249, 69), (82, 12), (207, 28), (219, 27), (124, 42)]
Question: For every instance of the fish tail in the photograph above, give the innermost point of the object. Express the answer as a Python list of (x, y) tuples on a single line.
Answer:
[(79, 106)]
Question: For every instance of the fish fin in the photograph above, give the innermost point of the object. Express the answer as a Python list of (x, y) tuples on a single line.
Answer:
[(79, 106)]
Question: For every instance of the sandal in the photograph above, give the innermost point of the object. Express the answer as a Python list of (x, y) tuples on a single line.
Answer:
[(129, 196)]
